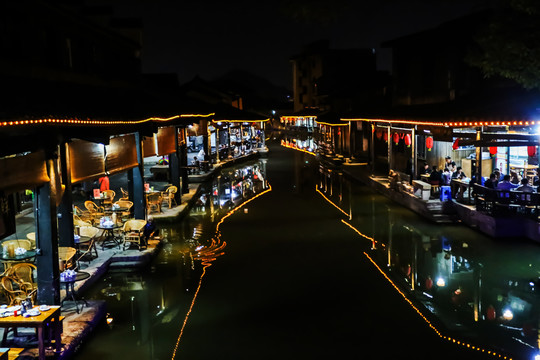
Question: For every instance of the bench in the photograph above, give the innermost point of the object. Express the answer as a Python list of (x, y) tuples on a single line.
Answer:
[(423, 188), (502, 202)]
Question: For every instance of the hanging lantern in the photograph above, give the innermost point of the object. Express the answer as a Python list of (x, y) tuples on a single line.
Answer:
[(429, 143), (408, 140), (492, 150), (379, 134), (455, 146), (385, 136), (531, 150), (396, 138), (490, 313)]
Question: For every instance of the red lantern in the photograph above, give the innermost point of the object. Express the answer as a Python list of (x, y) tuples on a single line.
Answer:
[(531, 150), (429, 283), (491, 314), (396, 138), (385, 136), (408, 140), (379, 134), (429, 143), (492, 150), (455, 146)]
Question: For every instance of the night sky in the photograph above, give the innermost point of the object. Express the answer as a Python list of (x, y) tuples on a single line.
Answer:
[(209, 38)]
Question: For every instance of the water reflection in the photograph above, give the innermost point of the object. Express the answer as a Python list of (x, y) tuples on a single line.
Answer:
[(150, 308), (470, 289)]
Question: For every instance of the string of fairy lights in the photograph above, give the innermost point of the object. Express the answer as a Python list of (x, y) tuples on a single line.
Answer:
[(430, 324)]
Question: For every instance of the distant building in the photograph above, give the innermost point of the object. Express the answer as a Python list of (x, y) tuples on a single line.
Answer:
[(337, 80)]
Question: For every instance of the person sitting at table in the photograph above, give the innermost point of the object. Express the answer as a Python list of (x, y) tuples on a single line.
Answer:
[(450, 164), (505, 184), (459, 174), (446, 177), (492, 182), (435, 176), (515, 178), (426, 169), (525, 187)]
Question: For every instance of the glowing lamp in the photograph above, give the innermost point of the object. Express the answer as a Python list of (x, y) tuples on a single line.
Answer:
[(408, 140), (441, 282), (455, 145), (508, 314), (492, 150), (396, 138), (429, 143), (531, 150)]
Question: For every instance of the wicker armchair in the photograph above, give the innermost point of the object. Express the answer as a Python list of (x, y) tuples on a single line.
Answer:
[(88, 249), (125, 194), (108, 197), (96, 212), (133, 233), (169, 194), (25, 275), (125, 204), (153, 202), (13, 294), (66, 255)]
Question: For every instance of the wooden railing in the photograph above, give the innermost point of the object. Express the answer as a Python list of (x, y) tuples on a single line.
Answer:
[(497, 202)]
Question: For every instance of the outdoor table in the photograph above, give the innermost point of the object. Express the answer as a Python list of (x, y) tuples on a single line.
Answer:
[(82, 240), (71, 294), (424, 177), (109, 235), (39, 322), (462, 185), (7, 260)]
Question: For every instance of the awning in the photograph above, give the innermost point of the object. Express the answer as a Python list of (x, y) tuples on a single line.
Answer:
[(121, 154), (86, 159), (23, 172)]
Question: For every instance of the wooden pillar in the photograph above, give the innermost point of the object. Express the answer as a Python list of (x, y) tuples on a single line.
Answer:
[(389, 147), (183, 163), (478, 173), (174, 168), (414, 155), (65, 209), (372, 148), (136, 182), (48, 274)]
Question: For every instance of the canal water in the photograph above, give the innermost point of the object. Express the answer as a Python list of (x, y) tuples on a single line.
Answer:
[(286, 258)]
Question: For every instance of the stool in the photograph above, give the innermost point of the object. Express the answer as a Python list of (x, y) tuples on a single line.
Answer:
[(435, 189)]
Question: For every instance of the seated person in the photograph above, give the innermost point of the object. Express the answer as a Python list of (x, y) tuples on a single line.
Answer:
[(150, 229), (394, 179), (446, 177), (435, 176), (514, 177), (505, 184), (195, 161), (459, 174), (525, 187), (492, 182)]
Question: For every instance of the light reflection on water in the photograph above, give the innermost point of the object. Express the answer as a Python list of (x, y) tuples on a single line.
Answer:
[(146, 307), (471, 290)]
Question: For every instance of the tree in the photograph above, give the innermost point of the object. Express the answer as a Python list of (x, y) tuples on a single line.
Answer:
[(509, 45)]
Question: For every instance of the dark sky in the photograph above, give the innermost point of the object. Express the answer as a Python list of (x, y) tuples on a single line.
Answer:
[(210, 38)]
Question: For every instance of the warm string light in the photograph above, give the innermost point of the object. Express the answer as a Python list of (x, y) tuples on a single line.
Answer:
[(241, 121), (373, 241), (418, 311), (207, 255), (337, 207), (446, 124), (296, 148), (97, 122)]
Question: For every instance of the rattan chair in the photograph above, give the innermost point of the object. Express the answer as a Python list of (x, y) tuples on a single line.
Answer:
[(87, 250), (22, 243), (31, 236), (125, 194), (169, 194), (108, 197), (13, 294), (96, 212), (125, 204), (84, 215), (25, 275), (153, 202), (66, 254), (133, 233)]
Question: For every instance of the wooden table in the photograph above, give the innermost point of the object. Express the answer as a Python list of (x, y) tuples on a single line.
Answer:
[(9, 260), (462, 185), (39, 322)]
